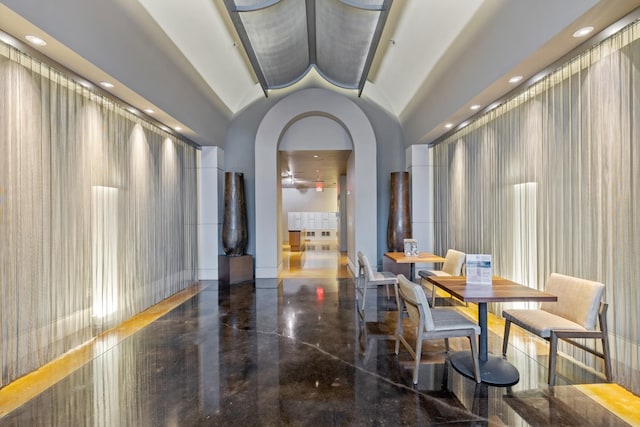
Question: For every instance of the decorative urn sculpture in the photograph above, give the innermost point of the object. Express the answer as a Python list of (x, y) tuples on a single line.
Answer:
[(399, 225), (234, 221)]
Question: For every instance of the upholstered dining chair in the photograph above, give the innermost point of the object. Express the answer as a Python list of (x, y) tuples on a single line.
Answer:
[(376, 278), (452, 266), (429, 324), (574, 315)]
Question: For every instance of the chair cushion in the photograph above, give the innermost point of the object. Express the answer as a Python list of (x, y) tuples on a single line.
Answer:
[(578, 299), (426, 273), (383, 276), (540, 322), (449, 319)]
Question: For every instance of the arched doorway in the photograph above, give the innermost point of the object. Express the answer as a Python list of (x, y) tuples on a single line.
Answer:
[(314, 152), (361, 174)]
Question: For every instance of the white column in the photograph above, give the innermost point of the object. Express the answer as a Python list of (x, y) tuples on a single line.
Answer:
[(210, 204), (419, 163)]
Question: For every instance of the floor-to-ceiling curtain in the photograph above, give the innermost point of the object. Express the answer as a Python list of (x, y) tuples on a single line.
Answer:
[(549, 181), (97, 213)]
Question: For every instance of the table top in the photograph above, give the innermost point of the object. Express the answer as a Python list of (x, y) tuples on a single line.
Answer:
[(401, 258), (501, 290)]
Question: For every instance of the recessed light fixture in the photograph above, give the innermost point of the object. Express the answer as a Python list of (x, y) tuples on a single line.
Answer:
[(178, 128), (475, 107), (315, 156), (515, 79), (449, 125), (106, 84), (149, 111), (132, 110), (164, 128), (583, 31), (36, 40), (85, 84)]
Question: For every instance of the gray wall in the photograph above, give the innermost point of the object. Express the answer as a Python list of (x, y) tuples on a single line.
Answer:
[(239, 157), (391, 158)]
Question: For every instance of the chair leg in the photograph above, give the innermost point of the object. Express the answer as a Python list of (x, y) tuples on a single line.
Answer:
[(474, 358), (433, 295), (364, 295), (602, 318), (553, 350), (418, 356), (399, 328), (607, 357), (446, 345), (505, 340)]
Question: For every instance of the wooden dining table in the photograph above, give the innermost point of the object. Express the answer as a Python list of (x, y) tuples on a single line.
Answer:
[(494, 370), (393, 260)]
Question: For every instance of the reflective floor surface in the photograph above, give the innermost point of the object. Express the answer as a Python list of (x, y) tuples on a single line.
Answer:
[(300, 354)]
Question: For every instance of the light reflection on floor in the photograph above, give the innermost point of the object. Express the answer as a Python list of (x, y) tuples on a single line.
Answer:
[(319, 259)]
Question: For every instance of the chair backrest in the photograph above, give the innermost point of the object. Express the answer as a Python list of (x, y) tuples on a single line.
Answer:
[(368, 271), (416, 302), (453, 262), (578, 299)]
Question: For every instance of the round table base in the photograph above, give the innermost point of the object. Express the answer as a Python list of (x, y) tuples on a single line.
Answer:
[(495, 371)]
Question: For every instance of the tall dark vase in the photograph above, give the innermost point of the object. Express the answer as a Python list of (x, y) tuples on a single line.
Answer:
[(234, 221), (399, 225)]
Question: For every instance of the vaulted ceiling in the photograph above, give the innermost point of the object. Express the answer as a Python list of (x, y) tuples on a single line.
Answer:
[(285, 39), (187, 61)]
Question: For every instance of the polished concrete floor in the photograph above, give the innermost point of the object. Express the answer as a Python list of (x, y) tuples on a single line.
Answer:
[(299, 354)]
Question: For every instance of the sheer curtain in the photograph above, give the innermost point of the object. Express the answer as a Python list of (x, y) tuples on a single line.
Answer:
[(97, 214), (549, 181)]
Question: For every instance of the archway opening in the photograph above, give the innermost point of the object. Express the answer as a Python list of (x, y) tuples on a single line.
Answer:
[(360, 185)]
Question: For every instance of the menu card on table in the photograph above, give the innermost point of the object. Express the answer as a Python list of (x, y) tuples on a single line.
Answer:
[(479, 269)]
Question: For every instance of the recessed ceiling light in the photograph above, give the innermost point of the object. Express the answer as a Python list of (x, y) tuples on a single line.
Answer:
[(106, 84), (475, 107), (515, 79), (132, 110), (149, 111), (449, 125), (36, 40), (315, 156), (85, 84), (178, 128), (164, 128), (583, 31)]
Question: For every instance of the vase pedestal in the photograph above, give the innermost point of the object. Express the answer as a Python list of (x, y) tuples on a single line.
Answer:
[(235, 269)]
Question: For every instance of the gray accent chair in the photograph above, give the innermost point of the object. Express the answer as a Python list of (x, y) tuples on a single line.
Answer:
[(452, 266), (430, 324), (574, 315)]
